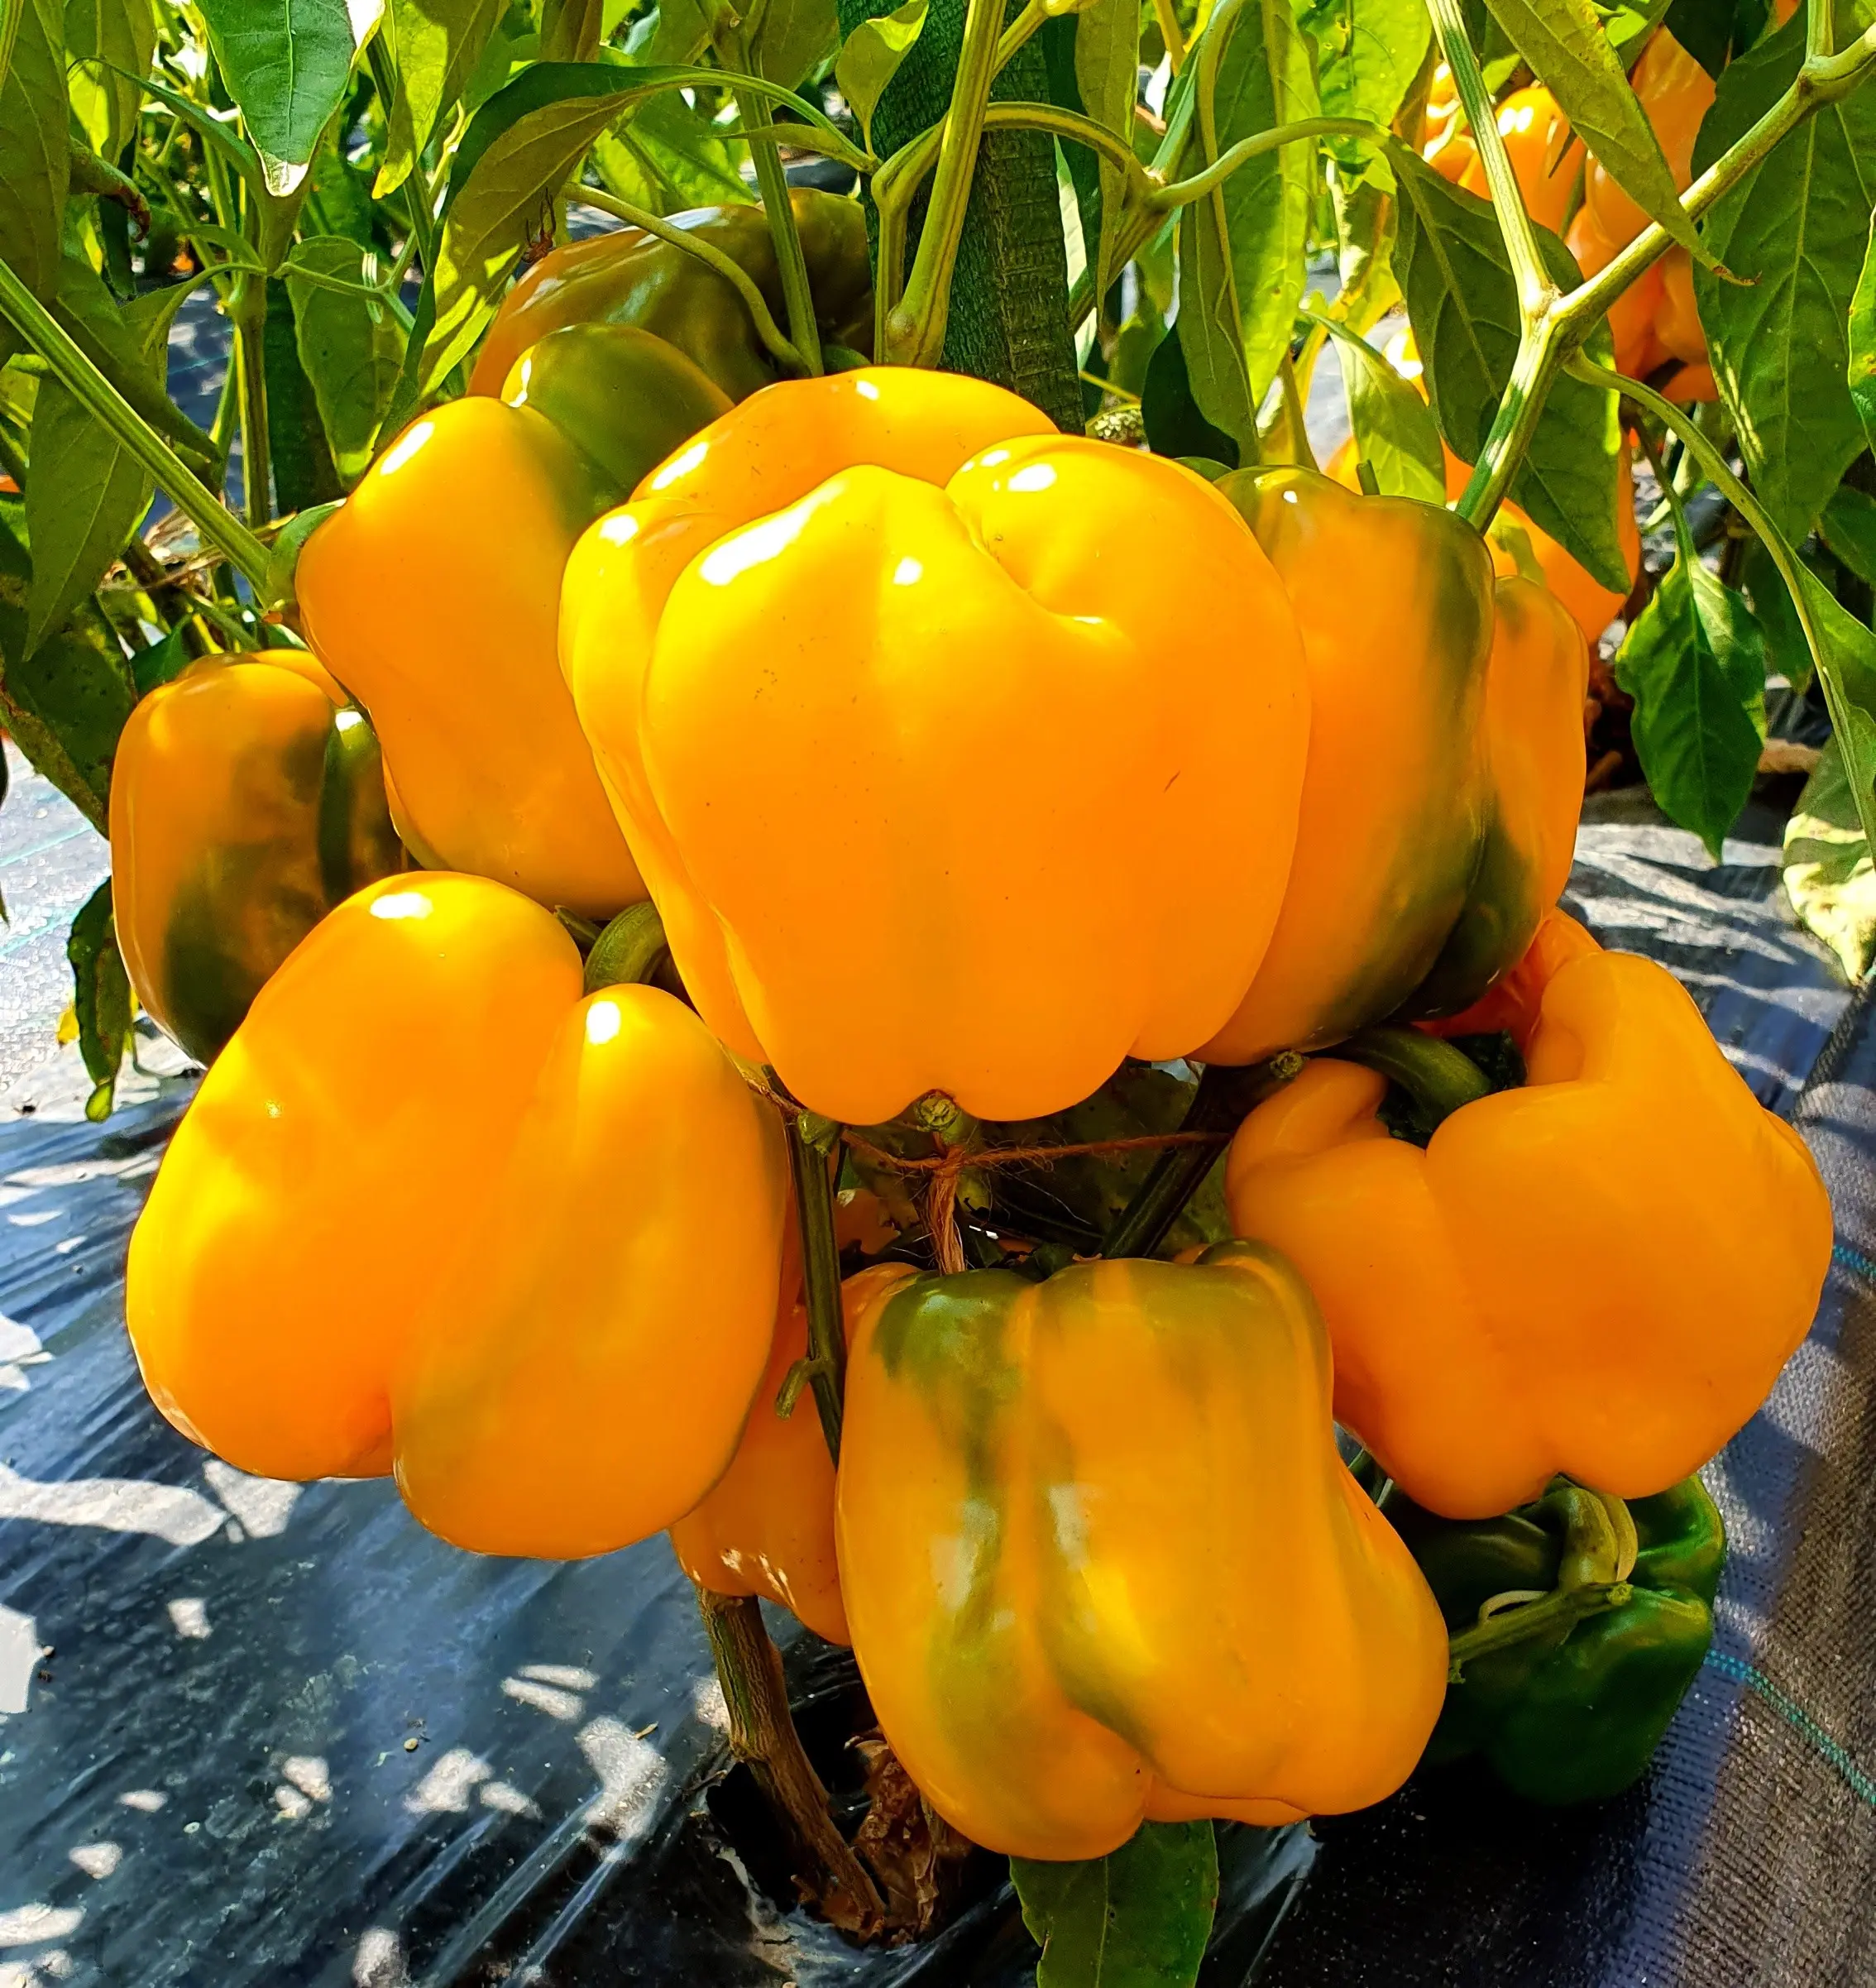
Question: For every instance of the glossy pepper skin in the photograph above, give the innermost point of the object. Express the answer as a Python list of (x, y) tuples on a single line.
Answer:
[(892, 612), (1103, 1563), (628, 277), (432, 596), (1575, 1711), (433, 1211), (1476, 1351), (1445, 765), (767, 1527), (248, 798)]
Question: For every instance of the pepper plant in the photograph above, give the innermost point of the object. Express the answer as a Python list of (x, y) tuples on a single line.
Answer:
[(1150, 221)]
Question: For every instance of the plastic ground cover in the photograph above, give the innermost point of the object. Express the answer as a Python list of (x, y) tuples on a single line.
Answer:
[(254, 1733)]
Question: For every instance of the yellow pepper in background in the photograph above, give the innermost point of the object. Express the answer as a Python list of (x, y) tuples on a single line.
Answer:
[(892, 613), (1600, 1273), (1102, 1561), (248, 798), (432, 596)]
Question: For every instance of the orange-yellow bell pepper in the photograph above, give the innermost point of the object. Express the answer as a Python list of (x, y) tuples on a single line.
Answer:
[(767, 1528), (1103, 1563), (433, 1211), (1599, 1273), (891, 614), (248, 798), (432, 596), (1445, 768)]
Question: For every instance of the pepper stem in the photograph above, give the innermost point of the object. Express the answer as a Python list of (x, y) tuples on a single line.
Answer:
[(763, 1738), (631, 948), (1439, 1078), (811, 1139)]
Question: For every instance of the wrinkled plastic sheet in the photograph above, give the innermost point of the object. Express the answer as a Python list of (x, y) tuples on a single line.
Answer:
[(256, 1733)]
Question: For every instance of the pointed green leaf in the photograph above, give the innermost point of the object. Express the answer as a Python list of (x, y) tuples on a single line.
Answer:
[(101, 997), (1829, 877), (435, 46), (351, 350), (1368, 54), (1862, 366), (1138, 1918), (1106, 75), (1252, 70), (571, 29), (35, 145), (870, 58), (1209, 331), (1394, 430), (1694, 663), (1563, 40), (108, 44), (1795, 228), (1364, 226), (1463, 305), (1176, 424), (667, 157), (1849, 528), (793, 38), (286, 64)]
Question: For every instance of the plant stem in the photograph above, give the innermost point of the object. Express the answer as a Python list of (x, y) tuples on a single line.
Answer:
[(915, 326), (1225, 1094), (1535, 290), (1562, 1607), (732, 271), (772, 182), (218, 524), (1439, 1078), (821, 1275), (1167, 15), (762, 1737), (248, 309), (1182, 193)]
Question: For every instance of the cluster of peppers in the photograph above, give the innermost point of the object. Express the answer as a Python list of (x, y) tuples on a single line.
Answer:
[(946, 786)]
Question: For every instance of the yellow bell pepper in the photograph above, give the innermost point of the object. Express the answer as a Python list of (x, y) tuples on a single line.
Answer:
[(893, 686), (1103, 1563), (433, 1211)]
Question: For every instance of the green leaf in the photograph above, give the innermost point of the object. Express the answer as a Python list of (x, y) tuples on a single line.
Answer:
[(1368, 54), (1787, 652), (1849, 529), (1795, 228), (870, 58), (1713, 32), (304, 471), (86, 493), (793, 38), (286, 64), (1138, 1918), (1861, 370), (1394, 430), (162, 663), (1252, 70), (519, 152), (1364, 225), (350, 349), (35, 146), (667, 157), (108, 44), (1106, 75), (675, 31), (571, 29), (1829, 877), (1209, 333), (1175, 420), (101, 997), (434, 45), (1630, 25), (65, 702), (1463, 305), (1564, 42), (1695, 664)]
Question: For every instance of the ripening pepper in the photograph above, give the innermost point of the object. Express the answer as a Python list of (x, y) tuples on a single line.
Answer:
[(1566, 1690), (432, 595), (1445, 766), (629, 277), (1102, 1561), (1567, 1277), (767, 1527), (432, 1211), (892, 613), (248, 798)]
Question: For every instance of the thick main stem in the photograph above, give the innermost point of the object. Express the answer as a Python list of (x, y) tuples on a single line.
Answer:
[(762, 1737), (218, 524)]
